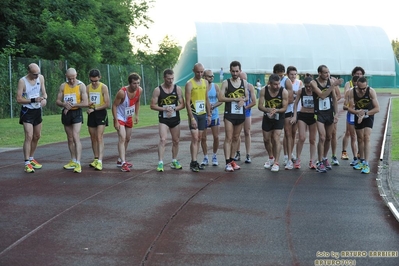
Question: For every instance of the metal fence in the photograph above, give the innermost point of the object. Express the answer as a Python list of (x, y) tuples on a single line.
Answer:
[(114, 76)]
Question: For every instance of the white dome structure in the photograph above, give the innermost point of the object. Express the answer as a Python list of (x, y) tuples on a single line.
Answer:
[(258, 47)]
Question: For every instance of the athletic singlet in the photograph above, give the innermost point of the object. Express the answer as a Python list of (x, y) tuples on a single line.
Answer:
[(323, 105), (31, 91), (231, 109), (96, 95), (274, 102), (72, 94), (295, 88), (198, 96), (364, 102), (290, 106), (168, 99), (126, 109), (307, 101), (213, 99)]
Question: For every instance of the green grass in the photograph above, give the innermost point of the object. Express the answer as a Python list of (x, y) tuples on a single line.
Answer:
[(395, 129), (12, 133)]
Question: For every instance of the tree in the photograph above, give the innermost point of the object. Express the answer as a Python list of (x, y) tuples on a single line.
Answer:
[(395, 47)]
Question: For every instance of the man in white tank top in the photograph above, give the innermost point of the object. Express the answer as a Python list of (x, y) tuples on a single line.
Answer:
[(31, 94)]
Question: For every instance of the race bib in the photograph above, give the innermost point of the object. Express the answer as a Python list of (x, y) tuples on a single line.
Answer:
[(95, 97), (307, 101), (129, 111), (324, 104), (165, 113), (200, 106), (352, 118), (236, 109), (36, 105), (70, 98)]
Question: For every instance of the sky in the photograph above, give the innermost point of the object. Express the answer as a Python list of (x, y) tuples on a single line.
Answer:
[(176, 18)]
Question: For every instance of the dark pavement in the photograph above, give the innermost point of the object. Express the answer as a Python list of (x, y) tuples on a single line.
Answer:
[(248, 217)]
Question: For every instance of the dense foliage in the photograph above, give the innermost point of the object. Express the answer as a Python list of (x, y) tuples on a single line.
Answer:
[(395, 47)]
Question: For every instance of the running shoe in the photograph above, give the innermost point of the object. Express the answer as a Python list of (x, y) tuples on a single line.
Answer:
[(268, 164), (94, 163), (312, 165), (285, 160), (69, 166), (125, 168), (78, 168), (275, 167), (215, 160), (99, 166), (29, 168), (327, 164), (235, 166), (354, 162), (194, 166), (334, 160), (205, 161), (358, 166), (297, 164), (229, 168), (321, 168), (293, 158), (365, 169), (237, 157), (35, 164), (344, 156), (289, 165), (160, 167), (176, 165), (248, 159), (119, 164)]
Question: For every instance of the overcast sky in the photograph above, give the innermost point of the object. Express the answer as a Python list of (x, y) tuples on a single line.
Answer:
[(177, 18)]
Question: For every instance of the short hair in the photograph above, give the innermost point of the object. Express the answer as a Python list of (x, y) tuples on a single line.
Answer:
[(133, 76), (320, 68), (356, 69), (278, 68), (234, 64), (94, 73), (291, 68), (167, 71), (307, 80), (362, 80), (274, 77)]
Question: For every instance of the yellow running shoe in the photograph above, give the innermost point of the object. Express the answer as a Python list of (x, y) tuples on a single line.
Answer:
[(29, 168), (94, 163), (78, 168), (35, 164), (69, 166), (99, 166)]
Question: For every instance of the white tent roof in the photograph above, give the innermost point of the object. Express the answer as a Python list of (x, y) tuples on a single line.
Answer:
[(258, 47)]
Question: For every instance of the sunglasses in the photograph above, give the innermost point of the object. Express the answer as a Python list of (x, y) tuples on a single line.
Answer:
[(94, 81)]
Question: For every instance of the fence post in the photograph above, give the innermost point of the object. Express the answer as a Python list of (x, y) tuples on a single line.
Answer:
[(10, 76), (109, 85), (142, 75)]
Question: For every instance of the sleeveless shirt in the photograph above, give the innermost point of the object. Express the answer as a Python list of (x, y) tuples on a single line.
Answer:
[(31, 91)]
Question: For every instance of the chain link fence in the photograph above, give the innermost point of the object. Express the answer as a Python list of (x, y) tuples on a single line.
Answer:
[(114, 76)]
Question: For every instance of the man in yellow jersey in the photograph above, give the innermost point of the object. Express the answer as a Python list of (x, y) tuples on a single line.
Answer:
[(234, 92), (72, 96), (198, 111), (97, 118), (31, 94)]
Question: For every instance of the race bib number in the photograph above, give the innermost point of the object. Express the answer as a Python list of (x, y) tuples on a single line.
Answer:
[(70, 98), (200, 107), (236, 109), (36, 105), (276, 116), (95, 97), (324, 104), (365, 116), (165, 113), (307, 101), (129, 111)]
